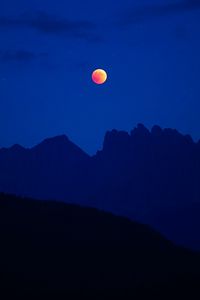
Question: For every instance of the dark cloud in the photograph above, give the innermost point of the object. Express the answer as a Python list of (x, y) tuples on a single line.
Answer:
[(147, 12), (20, 56), (48, 24)]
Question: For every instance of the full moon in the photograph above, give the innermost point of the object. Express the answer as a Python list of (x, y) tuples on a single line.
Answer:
[(99, 76)]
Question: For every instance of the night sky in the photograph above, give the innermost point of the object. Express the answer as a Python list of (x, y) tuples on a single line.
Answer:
[(49, 48)]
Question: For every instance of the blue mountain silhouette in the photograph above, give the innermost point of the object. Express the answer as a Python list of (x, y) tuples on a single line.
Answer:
[(149, 176)]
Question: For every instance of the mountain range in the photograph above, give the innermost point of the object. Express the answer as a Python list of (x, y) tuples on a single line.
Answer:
[(149, 176)]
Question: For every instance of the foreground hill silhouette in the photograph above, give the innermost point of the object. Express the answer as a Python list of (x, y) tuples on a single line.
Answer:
[(51, 246), (149, 176)]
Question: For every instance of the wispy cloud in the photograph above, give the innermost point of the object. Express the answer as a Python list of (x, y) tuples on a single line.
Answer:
[(141, 14), (48, 24)]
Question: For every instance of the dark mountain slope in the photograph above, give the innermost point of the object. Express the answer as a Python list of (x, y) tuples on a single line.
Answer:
[(51, 246)]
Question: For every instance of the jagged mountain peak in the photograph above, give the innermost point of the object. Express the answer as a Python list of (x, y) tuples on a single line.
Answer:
[(140, 130), (121, 139), (59, 146), (61, 139), (17, 147)]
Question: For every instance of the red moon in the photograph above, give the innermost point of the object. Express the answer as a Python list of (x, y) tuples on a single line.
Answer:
[(99, 76)]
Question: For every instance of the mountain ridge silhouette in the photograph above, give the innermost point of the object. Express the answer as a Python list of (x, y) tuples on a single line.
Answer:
[(149, 176)]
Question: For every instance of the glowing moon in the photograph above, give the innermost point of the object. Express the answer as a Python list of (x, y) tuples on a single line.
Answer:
[(99, 76)]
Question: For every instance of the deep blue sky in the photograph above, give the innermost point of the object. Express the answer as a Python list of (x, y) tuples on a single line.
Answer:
[(48, 49)]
